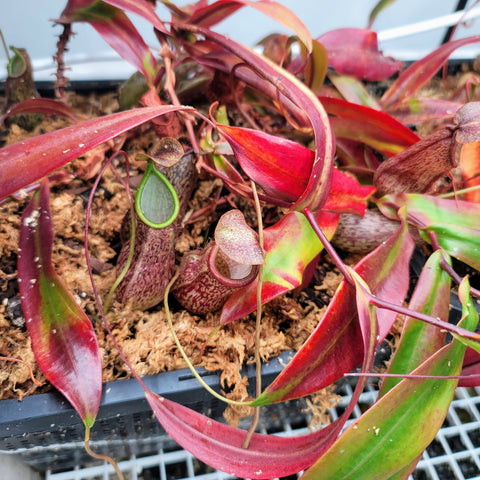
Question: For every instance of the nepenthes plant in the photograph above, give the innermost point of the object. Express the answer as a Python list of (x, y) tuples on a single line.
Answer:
[(342, 171)]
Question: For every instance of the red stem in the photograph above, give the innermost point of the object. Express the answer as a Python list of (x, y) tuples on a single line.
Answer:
[(378, 302)]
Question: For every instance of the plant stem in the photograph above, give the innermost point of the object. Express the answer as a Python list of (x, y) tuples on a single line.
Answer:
[(184, 354), (100, 456), (328, 246), (258, 321)]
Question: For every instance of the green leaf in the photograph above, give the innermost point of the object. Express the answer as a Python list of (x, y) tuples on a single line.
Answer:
[(156, 201), (420, 340)]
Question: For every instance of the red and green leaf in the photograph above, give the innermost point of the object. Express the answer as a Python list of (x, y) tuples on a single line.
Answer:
[(453, 223), (335, 346), (63, 339), (397, 428), (420, 340), (38, 156)]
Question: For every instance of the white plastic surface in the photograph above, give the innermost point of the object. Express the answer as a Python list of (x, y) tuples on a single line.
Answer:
[(409, 29)]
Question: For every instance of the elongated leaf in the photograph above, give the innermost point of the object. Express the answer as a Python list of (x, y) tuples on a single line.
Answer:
[(420, 340), (220, 445), (38, 156), (420, 72), (396, 430), (335, 346), (117, 30), (381, 4), (354, 51), (212, 14), (316, 67), (353, 90), (424, 109), (143, 9), (454, 223), (47, 106), (63, 339), (372, 127)]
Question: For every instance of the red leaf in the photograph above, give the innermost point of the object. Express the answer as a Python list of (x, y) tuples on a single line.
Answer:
[(280, 166), (38, 156), (283, 169), (220, 445), (354, 51), (372, 127), (335, 347), (471, 366), (47, 106), (117, 30), (141, 8), (221, 9), (63, 339), (420, 72)]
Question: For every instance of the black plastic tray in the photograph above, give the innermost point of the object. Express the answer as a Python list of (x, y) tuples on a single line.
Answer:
[(48, 433)]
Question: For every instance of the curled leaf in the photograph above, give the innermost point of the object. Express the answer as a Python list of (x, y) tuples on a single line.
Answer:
[(219, 445)]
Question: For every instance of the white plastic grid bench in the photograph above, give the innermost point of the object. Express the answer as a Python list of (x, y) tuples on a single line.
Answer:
[(453, 455)]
